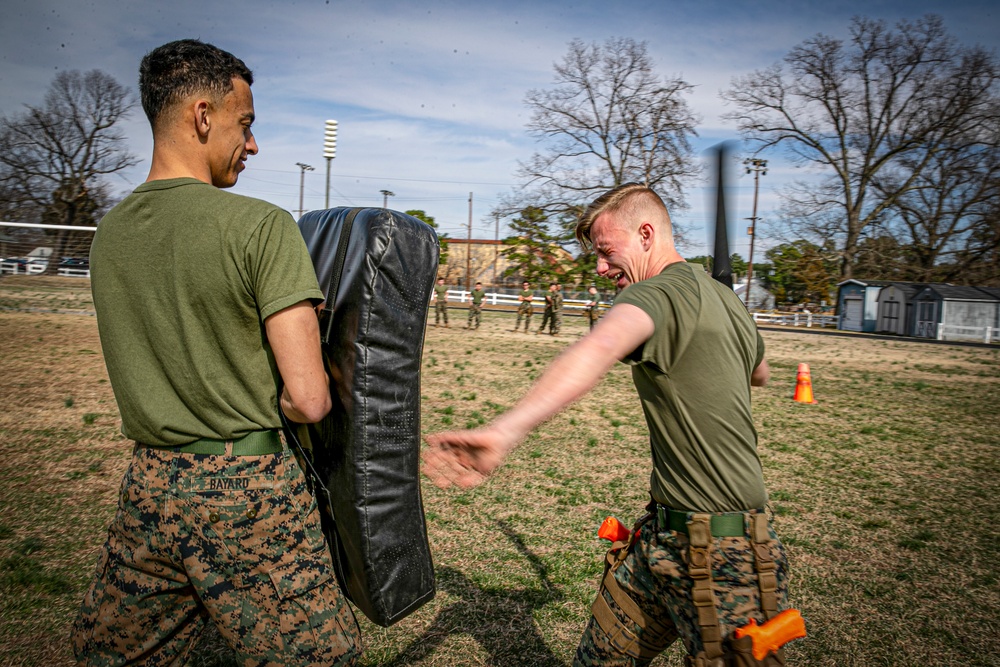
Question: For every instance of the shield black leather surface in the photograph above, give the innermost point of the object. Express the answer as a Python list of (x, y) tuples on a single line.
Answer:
[(366, 450)]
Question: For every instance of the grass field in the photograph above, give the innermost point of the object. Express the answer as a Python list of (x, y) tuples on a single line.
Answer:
[(886, 494)]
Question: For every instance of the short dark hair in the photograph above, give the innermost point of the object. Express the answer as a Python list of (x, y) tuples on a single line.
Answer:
[(173, 71)]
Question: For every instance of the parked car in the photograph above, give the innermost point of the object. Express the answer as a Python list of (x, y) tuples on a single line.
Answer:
[(74, 263)]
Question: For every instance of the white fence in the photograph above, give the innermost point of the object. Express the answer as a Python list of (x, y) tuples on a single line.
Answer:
[(512, 300), (796, 319), (34, 266), (499, 299), (23, 266), (955, 332)]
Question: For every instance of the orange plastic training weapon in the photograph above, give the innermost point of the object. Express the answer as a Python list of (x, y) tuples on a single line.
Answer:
[(773, 634), (613, 530)]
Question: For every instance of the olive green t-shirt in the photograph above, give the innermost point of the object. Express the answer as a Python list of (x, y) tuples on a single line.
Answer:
[(183, 276), (693, 378), (477, 296), (441, 292)]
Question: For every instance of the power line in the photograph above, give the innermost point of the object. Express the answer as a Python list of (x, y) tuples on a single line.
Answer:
[(384, 178)]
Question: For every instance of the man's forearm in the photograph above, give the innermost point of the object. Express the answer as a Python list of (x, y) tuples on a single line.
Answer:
[(577, 370), (574, 373)]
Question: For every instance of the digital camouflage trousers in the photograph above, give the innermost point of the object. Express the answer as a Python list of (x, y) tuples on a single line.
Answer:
[(234, 540), (440, 312), (655, 576), (524, 310), (547, 320), (475, 313)]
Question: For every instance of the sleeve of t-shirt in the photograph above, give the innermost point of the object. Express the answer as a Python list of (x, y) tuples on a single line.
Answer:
[(760, 351), (281, 269), (665, 310)]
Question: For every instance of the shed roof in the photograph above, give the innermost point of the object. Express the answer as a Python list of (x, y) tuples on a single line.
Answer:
[(963, 293), (910, 290), (866, 283)]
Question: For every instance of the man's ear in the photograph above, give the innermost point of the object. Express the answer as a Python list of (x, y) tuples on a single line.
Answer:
[(202, 118), (646, 233)]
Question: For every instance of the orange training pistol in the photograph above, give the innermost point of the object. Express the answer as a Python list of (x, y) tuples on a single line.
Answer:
[(773, 634), (613, 530)]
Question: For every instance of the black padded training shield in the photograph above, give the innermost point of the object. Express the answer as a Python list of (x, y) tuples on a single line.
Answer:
[(377, 268)]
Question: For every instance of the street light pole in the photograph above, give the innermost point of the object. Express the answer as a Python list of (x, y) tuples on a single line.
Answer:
[(759, 168), (468, 250), (302, 184), (385, 197), (329, 152)]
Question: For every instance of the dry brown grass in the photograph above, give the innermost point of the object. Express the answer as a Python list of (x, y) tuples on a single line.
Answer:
[(885, 493)]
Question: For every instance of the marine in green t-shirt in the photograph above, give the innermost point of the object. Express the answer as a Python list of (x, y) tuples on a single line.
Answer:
[(700, 426), (181, 327), (706, 560), (593, 308), (440, 300), (548, 319), (476, 305), (524, 308), (557, 308), (205, 304)]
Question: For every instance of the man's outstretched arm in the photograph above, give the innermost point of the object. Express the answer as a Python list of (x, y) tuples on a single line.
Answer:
[(467, 457)]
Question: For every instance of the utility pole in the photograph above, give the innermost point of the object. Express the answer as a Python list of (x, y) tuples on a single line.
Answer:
[(496, 247), (302, 183), (385, 197), (468, 250), (759, 168), (329, 152)]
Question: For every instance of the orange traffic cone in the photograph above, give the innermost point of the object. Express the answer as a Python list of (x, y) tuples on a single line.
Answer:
[(804, 386)]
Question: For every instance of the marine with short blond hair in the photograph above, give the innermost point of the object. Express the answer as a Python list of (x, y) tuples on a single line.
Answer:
[(706, 559)]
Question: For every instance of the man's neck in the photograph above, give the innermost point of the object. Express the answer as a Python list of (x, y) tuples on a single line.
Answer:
[(662, 260), (170, 161)]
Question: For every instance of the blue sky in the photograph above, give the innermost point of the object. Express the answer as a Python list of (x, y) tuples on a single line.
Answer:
[(429, 95)]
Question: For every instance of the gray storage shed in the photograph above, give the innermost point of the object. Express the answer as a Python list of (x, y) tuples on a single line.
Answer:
[(896, 313), (857, 304), (952, 312)]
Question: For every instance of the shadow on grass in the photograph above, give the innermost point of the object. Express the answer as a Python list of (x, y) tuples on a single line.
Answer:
[(500, 620)]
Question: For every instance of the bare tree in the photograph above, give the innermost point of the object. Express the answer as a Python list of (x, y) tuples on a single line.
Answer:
[(874, 116), (947, 220), (610, 119), (54, 157)]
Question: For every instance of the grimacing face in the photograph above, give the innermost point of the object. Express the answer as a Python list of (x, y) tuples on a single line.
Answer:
[(617, 250)]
